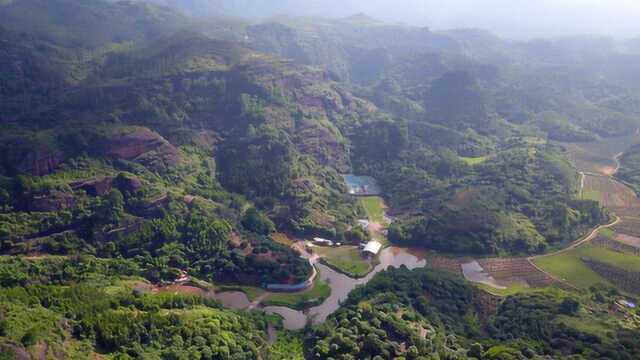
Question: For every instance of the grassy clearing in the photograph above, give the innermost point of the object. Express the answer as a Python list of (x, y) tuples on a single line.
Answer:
[(570, 267), (472, 161), (608, 233), (124, 285), (346, 259), (375, 208), (316, 295), (585, 323), (509, 291), (624, 261), (534, 140), (590, 194), (374, 205)]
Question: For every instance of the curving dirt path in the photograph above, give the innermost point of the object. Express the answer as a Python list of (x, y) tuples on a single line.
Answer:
[(617, 219), (603, 172), (581, 241)]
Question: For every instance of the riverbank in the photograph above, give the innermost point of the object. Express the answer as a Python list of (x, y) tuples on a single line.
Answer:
[(517, 274), (341, 285)]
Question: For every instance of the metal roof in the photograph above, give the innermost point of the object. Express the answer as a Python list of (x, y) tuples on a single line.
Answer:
[(372, 247)]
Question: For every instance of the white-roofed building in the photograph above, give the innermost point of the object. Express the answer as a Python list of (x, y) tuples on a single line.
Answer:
[(322, 242), (372, 248)]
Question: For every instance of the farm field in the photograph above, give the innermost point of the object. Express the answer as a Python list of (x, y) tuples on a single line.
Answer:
[(346, 259), (630, 226), (624, 261), (628, 240), (609, 193), (598, 156), (509, 272), (374, 206), (569, 266), (588, 322)]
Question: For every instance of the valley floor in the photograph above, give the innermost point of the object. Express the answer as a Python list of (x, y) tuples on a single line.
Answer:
[(608, 255)]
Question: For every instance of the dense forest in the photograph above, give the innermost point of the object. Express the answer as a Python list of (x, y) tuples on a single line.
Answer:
[(140, 144), (423, 314), (83, 304)]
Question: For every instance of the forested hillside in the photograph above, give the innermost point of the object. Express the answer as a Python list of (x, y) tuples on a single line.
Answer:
[(422, 314), (300, 126), (154, 141), (140, 145), (71, 309)]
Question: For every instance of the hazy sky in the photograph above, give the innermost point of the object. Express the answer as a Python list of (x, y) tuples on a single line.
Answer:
[(508, 18), (525, 18)]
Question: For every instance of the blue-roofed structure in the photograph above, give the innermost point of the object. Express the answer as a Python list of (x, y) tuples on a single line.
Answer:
[(362, 185)]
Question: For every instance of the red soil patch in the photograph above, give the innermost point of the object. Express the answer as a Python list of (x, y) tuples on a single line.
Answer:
[(607, 170), (614, 195), (629, 240), (443, 263)]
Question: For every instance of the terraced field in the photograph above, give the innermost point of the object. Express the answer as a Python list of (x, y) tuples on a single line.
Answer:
[(613, 249), (611, 193), (515, 271), (630, 226), (580, 266), (599, 156), (571, 266)]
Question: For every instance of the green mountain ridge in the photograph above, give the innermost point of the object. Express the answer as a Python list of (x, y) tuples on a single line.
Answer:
[(139, 144)]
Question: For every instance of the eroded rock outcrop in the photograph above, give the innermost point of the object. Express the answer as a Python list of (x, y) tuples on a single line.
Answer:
[(127, 183), (144, 146), (94, 187)]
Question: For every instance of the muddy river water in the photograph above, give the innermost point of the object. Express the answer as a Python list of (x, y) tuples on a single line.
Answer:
[(341, 285)]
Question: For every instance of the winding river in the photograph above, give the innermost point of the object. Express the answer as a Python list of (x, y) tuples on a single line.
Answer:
[(341, 285)]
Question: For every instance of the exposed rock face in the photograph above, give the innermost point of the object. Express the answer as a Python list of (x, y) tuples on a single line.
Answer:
[(98, 187), (95, 187), (142, 145), (127, 183)]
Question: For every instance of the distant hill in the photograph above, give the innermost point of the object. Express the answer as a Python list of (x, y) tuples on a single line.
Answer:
[(89, 23)]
